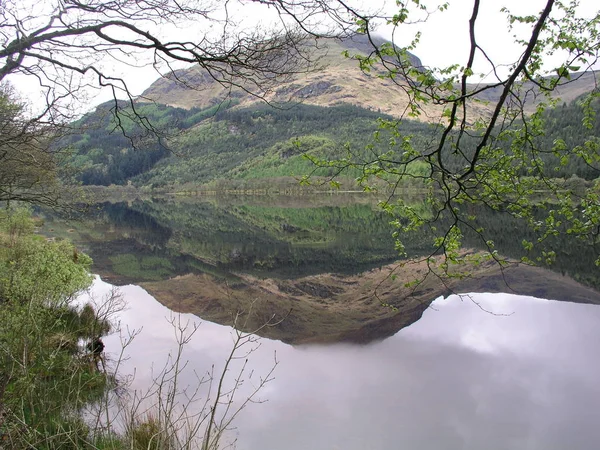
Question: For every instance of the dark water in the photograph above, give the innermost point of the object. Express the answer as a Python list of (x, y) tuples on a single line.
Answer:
[(277, 237), (524, 377)]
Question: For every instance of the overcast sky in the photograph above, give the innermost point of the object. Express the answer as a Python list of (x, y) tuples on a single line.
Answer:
[(445, 38)]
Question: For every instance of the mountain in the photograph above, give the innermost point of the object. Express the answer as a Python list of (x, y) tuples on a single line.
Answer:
[(340, 81), (210, 134)]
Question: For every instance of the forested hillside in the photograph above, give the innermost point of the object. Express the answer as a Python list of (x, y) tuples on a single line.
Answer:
[(106, 152), (262, 142), (564, 127)]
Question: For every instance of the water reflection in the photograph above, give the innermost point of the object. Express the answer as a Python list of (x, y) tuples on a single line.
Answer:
[(280, 237), (460, 378), (159, 239)]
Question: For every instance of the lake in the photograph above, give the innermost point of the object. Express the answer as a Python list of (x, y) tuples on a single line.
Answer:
[(524, 377), (487, 371)]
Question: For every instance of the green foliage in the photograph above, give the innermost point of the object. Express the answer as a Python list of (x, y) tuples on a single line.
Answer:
[(288, 158), (32, 269), (44, 376)]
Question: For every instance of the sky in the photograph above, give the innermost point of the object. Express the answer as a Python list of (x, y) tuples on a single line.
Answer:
[(444, 37)]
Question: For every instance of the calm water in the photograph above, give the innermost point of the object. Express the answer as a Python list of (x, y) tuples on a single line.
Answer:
[(525, 377), (522, 377), (275, 237)]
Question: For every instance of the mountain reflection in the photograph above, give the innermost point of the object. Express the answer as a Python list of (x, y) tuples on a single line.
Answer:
[(282, 237), (460, 378), (321, 269)]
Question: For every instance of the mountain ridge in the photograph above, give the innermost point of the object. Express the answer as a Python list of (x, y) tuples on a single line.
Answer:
[(340, 81)]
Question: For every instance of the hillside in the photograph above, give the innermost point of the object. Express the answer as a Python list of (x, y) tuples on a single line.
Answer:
[(212, 133), (258, 145), (102, 154), (340, 81), (261, 142)]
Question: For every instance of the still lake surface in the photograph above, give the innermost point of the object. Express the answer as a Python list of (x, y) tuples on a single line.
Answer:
[(459, 378), (281, 236), (524, 377)]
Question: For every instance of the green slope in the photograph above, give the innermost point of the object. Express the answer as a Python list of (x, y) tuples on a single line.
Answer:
[(264, 143), (109, 149)]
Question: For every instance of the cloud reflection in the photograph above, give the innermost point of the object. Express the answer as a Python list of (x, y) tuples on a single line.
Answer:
[(460, 378)]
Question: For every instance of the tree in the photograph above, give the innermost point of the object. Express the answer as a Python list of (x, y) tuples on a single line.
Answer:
[(28, 165), (496, 159), (67, 46)]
